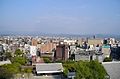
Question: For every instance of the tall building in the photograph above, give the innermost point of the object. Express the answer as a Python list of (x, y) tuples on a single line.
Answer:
[(62, 52)]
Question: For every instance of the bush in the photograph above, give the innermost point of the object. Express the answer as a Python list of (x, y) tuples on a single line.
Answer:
[(107, 59), (47, 60)]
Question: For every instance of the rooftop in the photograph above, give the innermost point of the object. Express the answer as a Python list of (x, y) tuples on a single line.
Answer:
[(49, 68)]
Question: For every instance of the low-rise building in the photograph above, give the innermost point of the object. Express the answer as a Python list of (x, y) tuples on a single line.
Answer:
[(53, 70)]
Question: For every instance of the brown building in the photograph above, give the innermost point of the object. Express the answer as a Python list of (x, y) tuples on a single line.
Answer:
[(47, 48), (62, 52), (34, 42)]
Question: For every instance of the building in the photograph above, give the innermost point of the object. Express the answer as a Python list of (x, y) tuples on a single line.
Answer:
[(70, 42), (106, 50), (33, 50), (82, 56), (115, 53), (50, 70), (47, 48), (98, 57), (95, 42), (62, 52), (34, 42), (81, 41), (1, 48)]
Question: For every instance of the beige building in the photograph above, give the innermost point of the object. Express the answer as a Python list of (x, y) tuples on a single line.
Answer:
[(80, 41), (95, 41), (106, 51), (34, 42)]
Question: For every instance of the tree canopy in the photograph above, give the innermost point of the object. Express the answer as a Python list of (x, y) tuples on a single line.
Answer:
[(85, 69)]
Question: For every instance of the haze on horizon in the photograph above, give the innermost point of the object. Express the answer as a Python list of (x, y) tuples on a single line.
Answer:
[(60, 16)]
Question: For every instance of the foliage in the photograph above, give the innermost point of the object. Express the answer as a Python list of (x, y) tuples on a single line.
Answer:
[(18, 52), (5, 74), (9, 70), (107, 59), (8, 55), (20, 60), (85, 69), (47, 59), (65, 72)]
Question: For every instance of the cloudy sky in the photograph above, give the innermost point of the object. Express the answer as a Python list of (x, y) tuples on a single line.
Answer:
[(60, 16)]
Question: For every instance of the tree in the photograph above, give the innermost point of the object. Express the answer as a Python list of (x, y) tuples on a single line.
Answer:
[(47, 59), (9, 70), (18, 52), (8, 55), (90, 70), (5, 74), (85, 69), (20, 60)]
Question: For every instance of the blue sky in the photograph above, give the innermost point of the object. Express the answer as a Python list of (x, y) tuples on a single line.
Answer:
[(60, 16)]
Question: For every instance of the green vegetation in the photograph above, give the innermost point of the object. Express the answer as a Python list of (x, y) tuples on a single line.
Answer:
[(47, 59), (8, 55), (9, 70), (20, 60), (107, 59), (85, 69), (18, 52)]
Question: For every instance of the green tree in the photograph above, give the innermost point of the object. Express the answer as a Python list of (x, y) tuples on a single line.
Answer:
[(28, 71), (20, 60), (8, 55), (18, 52), (47, 59), (5, 73), (85, 69), (9, 70)]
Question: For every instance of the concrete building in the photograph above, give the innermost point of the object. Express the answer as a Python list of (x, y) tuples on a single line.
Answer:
[(82, 56), (49, 71), (95, 42), (62, 52), (33, 50), (106, 50), (70, 42), (49, 68), (1, 48)]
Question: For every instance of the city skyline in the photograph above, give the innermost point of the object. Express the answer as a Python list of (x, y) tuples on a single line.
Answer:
[(59, 17)]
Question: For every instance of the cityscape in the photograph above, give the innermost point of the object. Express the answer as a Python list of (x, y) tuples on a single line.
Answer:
[(48, 39)]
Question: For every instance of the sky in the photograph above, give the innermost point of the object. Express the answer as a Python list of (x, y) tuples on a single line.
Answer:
[(60, 16)]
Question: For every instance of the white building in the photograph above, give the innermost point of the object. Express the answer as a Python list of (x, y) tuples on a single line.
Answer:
[(33, 50)]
